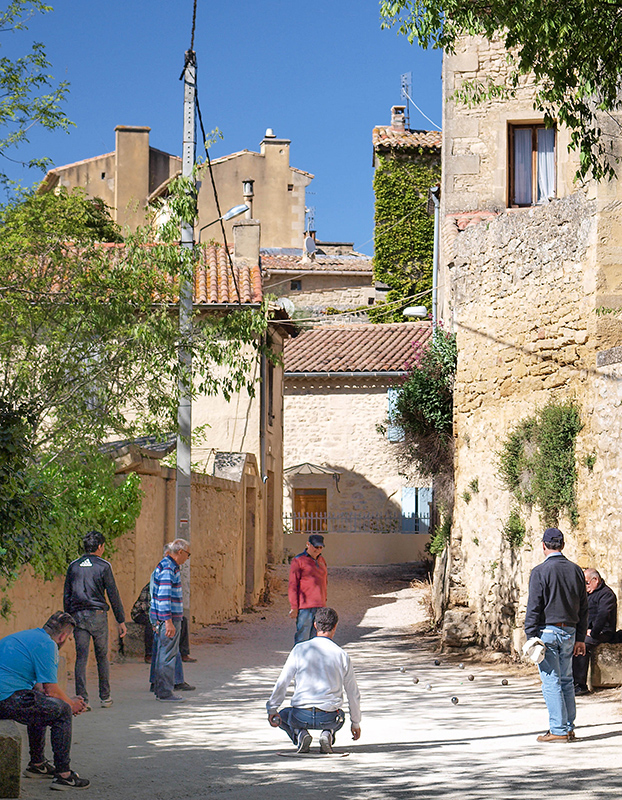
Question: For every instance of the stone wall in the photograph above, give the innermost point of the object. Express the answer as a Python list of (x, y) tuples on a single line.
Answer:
[(524, 292), (228, 529), (321, 291)]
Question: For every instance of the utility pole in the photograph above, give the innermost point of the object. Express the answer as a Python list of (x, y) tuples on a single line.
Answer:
[(184, 412)]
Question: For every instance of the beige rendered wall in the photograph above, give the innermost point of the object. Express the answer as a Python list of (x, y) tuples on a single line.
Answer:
[(320, 291), (95, 175), (354, 549), (218, 568), (279, 194)]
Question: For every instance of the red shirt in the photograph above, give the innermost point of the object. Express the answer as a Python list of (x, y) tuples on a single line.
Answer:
[(307, 581)]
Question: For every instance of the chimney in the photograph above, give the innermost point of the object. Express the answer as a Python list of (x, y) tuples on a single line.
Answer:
[(246, 237), (398, 118), (131, 179)]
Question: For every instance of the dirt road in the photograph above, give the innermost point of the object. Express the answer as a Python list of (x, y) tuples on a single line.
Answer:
[(414, 743)]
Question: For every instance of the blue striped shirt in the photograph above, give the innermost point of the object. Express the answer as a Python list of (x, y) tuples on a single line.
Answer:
[(166, 595)]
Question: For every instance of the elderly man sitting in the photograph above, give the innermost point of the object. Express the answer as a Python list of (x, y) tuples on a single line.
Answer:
[(601, 627)]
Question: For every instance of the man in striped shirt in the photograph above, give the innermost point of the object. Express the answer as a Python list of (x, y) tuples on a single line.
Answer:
[(166, 612)]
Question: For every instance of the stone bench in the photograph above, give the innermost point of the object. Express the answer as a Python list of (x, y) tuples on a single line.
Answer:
[(10, 758), (606, 665)]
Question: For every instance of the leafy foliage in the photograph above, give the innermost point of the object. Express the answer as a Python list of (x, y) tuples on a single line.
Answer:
[(514, 530), (573, 49), (440, 538), (89, 338), (537, 461), (404, 232), (28, 95)]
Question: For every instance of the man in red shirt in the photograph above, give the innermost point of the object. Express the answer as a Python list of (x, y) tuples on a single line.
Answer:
[(308, 576)]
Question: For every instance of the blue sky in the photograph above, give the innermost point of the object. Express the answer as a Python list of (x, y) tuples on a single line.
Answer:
[(321, 74)]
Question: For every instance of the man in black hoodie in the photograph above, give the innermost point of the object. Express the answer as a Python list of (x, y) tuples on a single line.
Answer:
[(89, 579), (557, 614), (601, 626)]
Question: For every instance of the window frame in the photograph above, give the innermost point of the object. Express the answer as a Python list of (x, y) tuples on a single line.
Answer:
[(534, 125)]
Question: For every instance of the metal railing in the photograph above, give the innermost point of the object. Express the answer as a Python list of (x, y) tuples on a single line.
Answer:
[(354, 522)]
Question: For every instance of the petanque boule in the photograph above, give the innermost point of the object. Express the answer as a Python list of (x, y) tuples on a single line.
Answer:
[(460, 666), (471, 677), (437, 663), (402, 669), (428, 686), (504, 682), (415, 680), (455, 701)]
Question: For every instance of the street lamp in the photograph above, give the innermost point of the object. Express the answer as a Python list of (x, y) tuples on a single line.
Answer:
[(231, 214), (415, 311)]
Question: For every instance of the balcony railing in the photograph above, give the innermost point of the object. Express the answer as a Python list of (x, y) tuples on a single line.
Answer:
[(354, 522)]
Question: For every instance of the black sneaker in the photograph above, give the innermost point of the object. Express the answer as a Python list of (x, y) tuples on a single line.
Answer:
[(45, 770), (304, 741), (74, 781)]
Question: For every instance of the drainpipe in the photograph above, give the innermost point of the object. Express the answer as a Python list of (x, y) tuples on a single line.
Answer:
[(435, 194), (263, 409)]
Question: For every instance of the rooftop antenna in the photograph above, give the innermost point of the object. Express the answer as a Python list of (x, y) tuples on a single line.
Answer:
[(310, 218), (406, 90)]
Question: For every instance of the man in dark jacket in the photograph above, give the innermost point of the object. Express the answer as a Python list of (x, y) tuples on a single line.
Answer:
[(601, 626), (557, 614), (89, 579)]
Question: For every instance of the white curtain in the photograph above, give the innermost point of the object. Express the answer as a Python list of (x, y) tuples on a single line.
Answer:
[(546, 164), (522, 167)]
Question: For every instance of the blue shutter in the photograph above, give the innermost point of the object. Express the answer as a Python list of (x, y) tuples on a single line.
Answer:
[(394, 432), (409, 509), (425, 509)]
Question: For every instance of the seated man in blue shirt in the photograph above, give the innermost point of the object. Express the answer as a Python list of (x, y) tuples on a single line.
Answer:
[(30, 694)]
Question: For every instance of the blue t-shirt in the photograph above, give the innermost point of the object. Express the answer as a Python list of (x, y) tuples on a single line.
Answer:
[(26, 658)]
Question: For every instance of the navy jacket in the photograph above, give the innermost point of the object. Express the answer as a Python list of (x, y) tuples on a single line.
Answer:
[(556, 594), (89, 579), (603, 613)]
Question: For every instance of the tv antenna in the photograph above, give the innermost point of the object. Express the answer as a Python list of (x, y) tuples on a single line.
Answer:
[(406, 90), (310, 218)]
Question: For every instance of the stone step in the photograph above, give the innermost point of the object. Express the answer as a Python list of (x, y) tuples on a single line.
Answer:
[(10, 758)]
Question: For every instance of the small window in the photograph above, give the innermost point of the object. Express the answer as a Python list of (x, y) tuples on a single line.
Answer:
[(394, 432), (103, 175), (290, 187), (370, 301), (532, 164), (295, 286)]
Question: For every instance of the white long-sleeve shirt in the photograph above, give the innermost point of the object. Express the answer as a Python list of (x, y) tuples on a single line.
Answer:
[(321, 670)]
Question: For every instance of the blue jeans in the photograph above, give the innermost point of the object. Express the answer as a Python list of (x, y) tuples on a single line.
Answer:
[(179, 666), (297, 719), (557, 680), (92, 625), (305, 629), (166, 656)]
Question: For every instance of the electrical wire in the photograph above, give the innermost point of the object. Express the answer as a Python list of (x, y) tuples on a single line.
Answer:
[(420, 111), (384, 306)]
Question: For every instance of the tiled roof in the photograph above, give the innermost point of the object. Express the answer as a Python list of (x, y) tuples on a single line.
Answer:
[(214, 283), (356, 347), (384, 137), (290, 260)]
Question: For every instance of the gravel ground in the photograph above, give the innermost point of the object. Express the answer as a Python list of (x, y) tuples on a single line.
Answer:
[(414, 743)]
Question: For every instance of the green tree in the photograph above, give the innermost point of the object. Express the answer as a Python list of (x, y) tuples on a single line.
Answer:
[(28, 94), (404, 231), (89, 338), (573, 48)]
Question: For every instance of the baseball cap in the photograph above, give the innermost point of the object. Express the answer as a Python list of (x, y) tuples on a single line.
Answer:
[(553, 536), (316, 539)]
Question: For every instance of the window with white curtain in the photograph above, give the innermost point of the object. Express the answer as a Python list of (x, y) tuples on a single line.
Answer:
[(532, 164)]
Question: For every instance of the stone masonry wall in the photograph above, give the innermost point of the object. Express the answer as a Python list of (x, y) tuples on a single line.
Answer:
[(523, 289)]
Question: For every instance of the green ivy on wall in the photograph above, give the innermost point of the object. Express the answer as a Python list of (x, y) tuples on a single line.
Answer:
[(537, 465), (404, 232)]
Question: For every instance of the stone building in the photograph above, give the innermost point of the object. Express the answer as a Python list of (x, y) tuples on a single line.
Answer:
[(343, 476), (135, 174), (528, 257)]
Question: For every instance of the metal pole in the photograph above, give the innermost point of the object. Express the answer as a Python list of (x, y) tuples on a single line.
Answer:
[(435, 192), (184, 412)]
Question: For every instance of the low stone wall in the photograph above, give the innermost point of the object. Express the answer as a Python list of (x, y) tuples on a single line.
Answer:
[(355, 549), (10, 758)]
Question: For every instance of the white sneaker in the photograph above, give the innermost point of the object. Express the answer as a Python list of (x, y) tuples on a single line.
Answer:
[(106, 703), (304, 741), (326, 742)]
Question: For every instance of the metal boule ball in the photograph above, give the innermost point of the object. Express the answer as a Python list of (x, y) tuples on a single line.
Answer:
[(460, 666), (437, 663), (471, 677), (402, 669), (415, 680), (428, 686), (455, 701), (504, 682)]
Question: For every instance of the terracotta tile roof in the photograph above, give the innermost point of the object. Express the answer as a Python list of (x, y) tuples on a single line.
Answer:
[(384, 137), (213, 282), (285, 259), (356, 347)]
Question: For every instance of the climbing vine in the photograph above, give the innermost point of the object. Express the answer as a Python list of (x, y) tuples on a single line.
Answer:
[(537, 465), (404, 232)]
